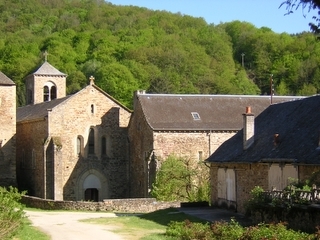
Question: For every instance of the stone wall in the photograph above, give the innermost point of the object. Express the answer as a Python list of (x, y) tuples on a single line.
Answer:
[(7, 135), (35, 84), (247, 177), (147, 144), (31, 137), (54, 141), (134, 205)]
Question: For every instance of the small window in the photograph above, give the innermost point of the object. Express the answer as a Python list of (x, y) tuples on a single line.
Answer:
[(78, 145), (195, 115), (92, 108), (91, 141), (103, 146), (46, 93), (53, 93)]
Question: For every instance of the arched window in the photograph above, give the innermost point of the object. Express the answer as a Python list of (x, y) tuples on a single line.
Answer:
[(49, 91), (53, 93), (103, 145), (78, 145), (91, 141), (46, 96)]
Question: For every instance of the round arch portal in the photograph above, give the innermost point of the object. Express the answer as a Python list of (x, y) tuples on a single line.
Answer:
[(92, 185)]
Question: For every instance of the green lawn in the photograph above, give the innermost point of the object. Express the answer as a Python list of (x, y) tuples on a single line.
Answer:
[(28, 232), (150, 226)]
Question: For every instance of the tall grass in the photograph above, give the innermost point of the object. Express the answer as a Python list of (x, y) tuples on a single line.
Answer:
[(11, 212)]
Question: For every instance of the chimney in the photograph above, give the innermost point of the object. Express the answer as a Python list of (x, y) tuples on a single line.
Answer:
[(248, 128), (135, 96)]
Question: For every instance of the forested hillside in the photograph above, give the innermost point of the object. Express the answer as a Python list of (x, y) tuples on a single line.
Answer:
[(130, 48)]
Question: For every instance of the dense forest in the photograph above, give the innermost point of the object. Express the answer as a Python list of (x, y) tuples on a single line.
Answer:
[(128, 48)]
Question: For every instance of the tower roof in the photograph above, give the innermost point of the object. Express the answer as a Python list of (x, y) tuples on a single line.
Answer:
[(47, 69), (4, 80)]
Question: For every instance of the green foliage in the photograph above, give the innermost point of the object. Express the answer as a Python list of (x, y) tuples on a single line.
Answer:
[(180, 179), (29, 232), (232, 231), (11, 212), (256, 199), (128, 48)]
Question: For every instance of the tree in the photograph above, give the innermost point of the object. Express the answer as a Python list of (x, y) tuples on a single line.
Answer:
[(292, 5), (181, 179)]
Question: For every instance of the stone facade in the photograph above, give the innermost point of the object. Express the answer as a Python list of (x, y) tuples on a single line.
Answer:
[(150, 147), (7, 133), (46, 77), (74, 148), (247, 176)]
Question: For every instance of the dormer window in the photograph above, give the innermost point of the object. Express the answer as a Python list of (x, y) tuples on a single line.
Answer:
[(195, 115)]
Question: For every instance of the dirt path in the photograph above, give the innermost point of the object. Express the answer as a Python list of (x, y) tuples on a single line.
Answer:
[(66, 225)]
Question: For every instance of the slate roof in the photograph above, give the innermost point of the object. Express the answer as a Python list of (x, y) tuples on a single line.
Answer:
[(298, 126), (47, 69), (217, 112), (37, 111), (40, 110), (4, 80)]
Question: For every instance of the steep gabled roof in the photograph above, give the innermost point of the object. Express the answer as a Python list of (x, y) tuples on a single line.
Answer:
[(40, 110), (4, 80), (216, 112), (37, 111), (47, 69), (298, 126)]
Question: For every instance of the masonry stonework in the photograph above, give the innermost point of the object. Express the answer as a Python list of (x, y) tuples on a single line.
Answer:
[(74, 148), (7, 134), (247, 177), (150, 147)]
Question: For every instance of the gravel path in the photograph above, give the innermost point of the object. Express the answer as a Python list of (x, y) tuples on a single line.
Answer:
[(66, 225)]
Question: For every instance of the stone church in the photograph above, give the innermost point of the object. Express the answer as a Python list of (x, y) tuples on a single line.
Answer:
[(70, 147), (89, 146)]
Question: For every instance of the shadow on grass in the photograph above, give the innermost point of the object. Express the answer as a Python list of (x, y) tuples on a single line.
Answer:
[(165, 216)]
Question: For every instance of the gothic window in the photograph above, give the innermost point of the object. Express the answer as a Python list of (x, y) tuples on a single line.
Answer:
[(53, 92), (103, 146), (91, 141), (46, 94)]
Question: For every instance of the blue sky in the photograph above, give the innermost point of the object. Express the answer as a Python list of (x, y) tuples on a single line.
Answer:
[(261, 13)]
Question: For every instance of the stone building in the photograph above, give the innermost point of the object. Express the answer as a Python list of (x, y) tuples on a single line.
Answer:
[(280, 144), (71, 147), (7, 131), (191, 126)]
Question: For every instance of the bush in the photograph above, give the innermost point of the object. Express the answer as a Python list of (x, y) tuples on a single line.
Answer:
[(233, 231), (11, 212)]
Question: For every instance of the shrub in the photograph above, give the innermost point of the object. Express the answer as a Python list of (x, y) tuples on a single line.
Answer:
[(233, 231), (11, 211)]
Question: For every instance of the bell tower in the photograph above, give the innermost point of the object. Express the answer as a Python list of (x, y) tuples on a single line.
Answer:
[(45, 84)]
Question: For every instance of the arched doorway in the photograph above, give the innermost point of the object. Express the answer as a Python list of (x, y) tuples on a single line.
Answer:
[(91, 186), (91, 194)]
